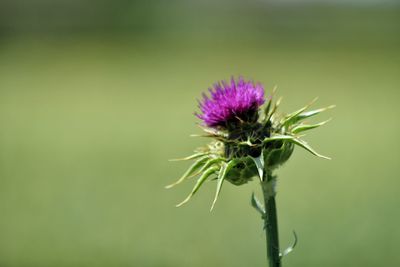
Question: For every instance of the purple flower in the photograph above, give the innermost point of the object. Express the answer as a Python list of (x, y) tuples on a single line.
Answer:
[(231, 102)]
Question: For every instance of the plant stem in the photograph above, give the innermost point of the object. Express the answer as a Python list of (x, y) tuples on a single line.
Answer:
[(271, 221)]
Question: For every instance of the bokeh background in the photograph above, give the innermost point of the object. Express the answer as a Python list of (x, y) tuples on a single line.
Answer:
[(96, 96)]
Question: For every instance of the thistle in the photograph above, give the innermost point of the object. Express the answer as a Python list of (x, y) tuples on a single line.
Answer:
[(248, 140)]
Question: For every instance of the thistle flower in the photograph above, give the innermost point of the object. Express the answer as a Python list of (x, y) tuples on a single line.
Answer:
[(245, 144), (248, 141)]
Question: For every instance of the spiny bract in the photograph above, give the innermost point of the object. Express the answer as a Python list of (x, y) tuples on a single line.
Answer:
[(247, 140)]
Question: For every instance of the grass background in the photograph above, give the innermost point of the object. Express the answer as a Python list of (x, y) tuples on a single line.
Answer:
[(88, 122)]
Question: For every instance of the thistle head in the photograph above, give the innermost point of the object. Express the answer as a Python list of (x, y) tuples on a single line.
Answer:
[(247, 140), (231, 103)]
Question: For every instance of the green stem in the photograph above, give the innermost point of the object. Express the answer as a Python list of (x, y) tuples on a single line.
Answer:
[(271, 221)]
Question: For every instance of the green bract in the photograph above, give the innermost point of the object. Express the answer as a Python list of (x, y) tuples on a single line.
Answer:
[(250, 149)]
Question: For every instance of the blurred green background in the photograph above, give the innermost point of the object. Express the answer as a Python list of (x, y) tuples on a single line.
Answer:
[(96, 96)]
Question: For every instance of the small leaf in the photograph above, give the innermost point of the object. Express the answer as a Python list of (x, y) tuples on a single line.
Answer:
[(304, 145), (274, 108), (194, 156), (221, 177), (267, 108), (213, 132), (293, 116), (305, 127), (291, 248), (190, 171), (259, 161), (198, 184), (257, 205), (208, 164), (311, 113), (277, 137), (296, 141)]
